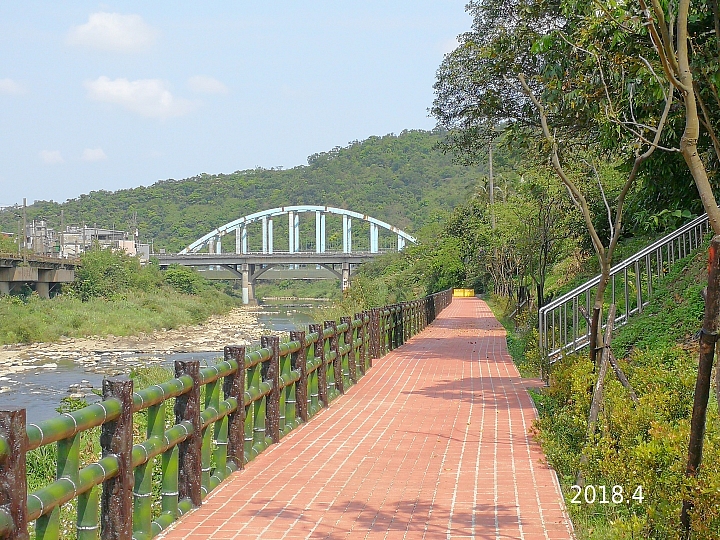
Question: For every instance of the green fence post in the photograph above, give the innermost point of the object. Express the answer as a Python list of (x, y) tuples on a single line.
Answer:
[(187, 409), (169, 488), (284, 371), (13, 480), (259, 413), (337, 367), (288, 408), (116, 439), (271, 374), (298, 363), (313, 377), (322, 368), (212, 401), (234, 387), (142, 511)]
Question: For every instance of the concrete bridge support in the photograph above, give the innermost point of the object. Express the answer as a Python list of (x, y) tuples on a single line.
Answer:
[(42, 280), (345, 276), (248, 284)]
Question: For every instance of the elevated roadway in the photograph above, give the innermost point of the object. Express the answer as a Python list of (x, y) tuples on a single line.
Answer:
[(43, 274)]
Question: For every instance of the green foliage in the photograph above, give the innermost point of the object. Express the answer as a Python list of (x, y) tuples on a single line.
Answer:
[(402, 179), (7, 244), (135, 311), (643, 445), (184, 279), (104, 273)]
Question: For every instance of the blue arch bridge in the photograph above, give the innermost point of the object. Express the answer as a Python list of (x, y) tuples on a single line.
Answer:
[(254, 258)]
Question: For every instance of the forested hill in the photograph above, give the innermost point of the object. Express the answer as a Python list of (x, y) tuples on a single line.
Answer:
[(402, 179)]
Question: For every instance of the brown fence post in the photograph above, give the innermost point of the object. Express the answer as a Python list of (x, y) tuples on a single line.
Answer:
[(337, 363), (234, 387), (271, 374), (374, 333), (116, 438), (322, 368), (363, 344), (13, 480), (390, 322), (298, 362), (187, 408), (352, 365)]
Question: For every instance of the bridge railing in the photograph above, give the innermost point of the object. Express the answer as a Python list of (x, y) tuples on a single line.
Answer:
[(153, 466), (564, 323)]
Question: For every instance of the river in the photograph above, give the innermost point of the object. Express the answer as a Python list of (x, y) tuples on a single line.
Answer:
[(39, 376)]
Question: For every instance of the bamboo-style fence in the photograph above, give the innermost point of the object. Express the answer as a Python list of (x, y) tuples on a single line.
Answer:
[(223, 416)]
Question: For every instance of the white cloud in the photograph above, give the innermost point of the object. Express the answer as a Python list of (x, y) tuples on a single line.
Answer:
[(148, 97), (51, 157), (206, 85), (93, 154), (113, 32), (8, 86)]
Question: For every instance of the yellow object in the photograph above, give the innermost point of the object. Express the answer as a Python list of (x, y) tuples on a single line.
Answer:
[(463, 292)]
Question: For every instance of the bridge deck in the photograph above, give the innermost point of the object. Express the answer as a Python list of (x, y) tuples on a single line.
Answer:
[(433, 442)]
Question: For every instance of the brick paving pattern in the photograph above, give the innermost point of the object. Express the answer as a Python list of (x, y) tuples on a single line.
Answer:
[(432, 443)]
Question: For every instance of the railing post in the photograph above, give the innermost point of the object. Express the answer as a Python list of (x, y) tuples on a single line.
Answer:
[(374, 333), (234, 387), (348, 338), (116, 438), (187, 409), (271, 374), (322, 368), (337, 362), (13, 480), (298, 362), (362, 352)]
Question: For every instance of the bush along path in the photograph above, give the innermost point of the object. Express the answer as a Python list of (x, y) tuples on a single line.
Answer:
[(649, 455)]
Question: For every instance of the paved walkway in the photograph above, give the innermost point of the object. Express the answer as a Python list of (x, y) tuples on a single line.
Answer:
[(432, 443)]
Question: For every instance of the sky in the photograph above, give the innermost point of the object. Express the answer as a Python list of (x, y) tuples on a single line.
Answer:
[(106, 96)]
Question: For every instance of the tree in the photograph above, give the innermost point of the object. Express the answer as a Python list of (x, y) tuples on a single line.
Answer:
[(555, 84), (545, 232)]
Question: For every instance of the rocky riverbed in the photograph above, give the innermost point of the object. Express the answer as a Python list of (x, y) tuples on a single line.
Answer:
[(36, 376)]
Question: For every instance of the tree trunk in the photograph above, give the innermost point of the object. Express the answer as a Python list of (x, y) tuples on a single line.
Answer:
[(708, 339), (599, 388), (596, 323)]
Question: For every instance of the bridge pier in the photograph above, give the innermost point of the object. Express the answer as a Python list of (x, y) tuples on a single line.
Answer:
[(41, 279), (248, 286), (345, 276)]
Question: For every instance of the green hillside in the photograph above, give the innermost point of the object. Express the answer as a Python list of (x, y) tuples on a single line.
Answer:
[(401, 178)]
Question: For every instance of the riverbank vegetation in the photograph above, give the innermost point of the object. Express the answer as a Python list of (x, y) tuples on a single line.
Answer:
[(112, 294)]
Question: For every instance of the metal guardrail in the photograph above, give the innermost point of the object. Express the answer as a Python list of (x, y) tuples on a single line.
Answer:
[(564, 323), (136, 482)]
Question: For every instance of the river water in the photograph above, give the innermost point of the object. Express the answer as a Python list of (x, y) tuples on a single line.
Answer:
[(39, 386)]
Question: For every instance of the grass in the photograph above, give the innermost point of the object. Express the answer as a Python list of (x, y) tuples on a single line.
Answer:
[(636, 445), (38, 319)]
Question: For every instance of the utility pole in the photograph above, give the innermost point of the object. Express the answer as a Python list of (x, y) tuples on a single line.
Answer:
[(62, 233), (491, 182), (24, 244)]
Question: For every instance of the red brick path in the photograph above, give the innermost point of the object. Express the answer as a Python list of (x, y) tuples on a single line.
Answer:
[(432, 443)]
